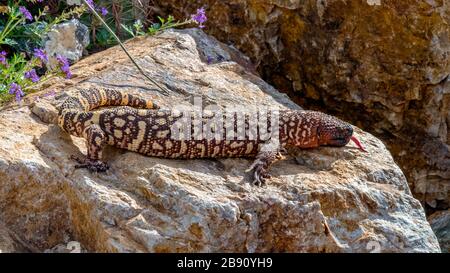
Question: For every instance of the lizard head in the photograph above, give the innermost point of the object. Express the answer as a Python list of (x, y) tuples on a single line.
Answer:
[(332, 131)]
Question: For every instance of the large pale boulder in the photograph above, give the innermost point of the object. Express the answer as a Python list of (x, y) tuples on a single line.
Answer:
[(381, 64), (337, 200), (68, 39)]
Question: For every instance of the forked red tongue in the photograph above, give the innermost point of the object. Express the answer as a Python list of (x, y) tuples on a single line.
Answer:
[(356, 141)]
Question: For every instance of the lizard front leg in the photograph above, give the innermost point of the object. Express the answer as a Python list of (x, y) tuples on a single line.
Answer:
[(95, 141), (264, 159)]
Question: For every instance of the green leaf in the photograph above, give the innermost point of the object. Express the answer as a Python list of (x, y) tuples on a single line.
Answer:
[(161, 20), (138, 27), (104, 38), (14, 12), (156, 26), (152, 31), (10, 42)]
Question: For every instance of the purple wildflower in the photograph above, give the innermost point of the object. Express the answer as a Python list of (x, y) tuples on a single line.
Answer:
[(64, 66), (3, 57), (91, 3), (103, 11), (200, 17), (15, 89), (40, 54), (26, 13), (31, 75)]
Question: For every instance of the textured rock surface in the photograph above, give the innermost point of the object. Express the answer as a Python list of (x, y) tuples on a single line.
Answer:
[(440, 223), (9, 242), (383, 65), (67, 39), (339, 200)]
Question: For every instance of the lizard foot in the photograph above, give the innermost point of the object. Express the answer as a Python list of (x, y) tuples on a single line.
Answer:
[(260, 174), (91, 165), (261, 166)]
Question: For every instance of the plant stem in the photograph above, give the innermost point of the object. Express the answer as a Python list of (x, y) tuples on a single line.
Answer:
[(172, 25), (164, 90), (2, 36), (6, 31)]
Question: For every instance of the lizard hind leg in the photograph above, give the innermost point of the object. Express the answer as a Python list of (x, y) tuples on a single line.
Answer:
[(95, 141)]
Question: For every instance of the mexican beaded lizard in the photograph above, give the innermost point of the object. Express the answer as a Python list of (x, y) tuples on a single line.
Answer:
[(140, 126)]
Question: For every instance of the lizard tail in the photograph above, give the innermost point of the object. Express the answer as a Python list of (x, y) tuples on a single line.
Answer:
[(89, 99)]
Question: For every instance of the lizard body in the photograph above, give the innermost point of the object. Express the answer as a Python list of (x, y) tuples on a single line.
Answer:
[(139, 125)]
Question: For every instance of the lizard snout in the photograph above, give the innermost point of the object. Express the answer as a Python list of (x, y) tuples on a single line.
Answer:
[(335, 133)]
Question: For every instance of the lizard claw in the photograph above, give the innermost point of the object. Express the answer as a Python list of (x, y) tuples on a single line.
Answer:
[(262, 164), (260, 174), (91, 165)]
